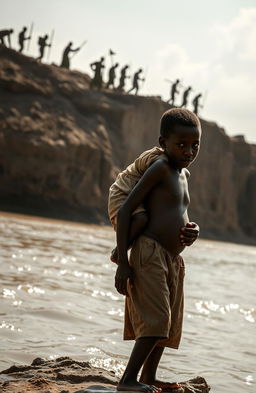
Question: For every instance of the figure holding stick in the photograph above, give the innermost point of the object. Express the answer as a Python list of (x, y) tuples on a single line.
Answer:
[(80, 47), (65, 58), (30, 35), (22, 38), (50, 46), (42, 42), (135, 82)]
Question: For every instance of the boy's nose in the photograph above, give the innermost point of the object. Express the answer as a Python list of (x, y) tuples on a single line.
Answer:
[(189, 152)]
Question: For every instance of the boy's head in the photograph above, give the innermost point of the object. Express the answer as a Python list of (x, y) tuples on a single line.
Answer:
[(180, 134)]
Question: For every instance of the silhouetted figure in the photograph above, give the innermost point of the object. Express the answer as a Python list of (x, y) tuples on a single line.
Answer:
[(6, 33), (65, 59), (173, 92), (22, 38), (112, 76), (97, 67), (196, 104), (185, 97), (42, 42), (135, 82), (123, 76)]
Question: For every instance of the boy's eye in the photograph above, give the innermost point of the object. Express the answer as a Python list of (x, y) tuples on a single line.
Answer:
[(195, 145)]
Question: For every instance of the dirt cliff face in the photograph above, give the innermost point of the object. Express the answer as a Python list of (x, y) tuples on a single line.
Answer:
[(223, 185), (61, 145), (53, 147)]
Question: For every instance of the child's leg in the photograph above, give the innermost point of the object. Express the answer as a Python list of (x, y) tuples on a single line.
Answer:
[(148, 374), (138, 223), (150, 366), (141, 350)]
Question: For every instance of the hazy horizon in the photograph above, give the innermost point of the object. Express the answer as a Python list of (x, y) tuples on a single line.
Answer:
[(210, 46)]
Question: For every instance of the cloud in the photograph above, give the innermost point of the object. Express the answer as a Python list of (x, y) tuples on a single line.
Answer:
[(227, 70), (172, 61), (238, 38)]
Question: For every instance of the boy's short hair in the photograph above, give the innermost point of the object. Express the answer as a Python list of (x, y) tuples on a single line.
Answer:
[(177, 116)]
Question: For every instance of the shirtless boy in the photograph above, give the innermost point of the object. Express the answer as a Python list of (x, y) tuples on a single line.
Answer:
[(152, 280)]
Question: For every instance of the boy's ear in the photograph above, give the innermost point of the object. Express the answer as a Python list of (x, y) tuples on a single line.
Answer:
[(162, 142)]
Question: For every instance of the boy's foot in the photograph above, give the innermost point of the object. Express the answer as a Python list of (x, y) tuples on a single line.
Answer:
[(135, 386), (172, 387), (114, 255)]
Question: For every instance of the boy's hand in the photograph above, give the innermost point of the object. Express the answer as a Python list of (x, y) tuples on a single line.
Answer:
[(123, 274), (189, 233)]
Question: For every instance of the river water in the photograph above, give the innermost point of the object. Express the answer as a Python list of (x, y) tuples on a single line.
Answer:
[(57, 299)]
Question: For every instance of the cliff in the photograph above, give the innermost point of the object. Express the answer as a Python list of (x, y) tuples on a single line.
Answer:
[(61, 145)]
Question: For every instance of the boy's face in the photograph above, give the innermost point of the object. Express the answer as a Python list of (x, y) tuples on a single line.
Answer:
[(182, 145)]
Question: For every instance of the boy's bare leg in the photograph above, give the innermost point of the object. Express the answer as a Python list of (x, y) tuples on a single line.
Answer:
[(138, 223), (141, 350), (148, 374)]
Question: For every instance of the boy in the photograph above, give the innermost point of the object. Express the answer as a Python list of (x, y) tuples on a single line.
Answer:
[(152, 279)]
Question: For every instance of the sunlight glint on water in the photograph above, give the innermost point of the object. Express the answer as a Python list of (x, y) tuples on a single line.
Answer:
[(57, 299)]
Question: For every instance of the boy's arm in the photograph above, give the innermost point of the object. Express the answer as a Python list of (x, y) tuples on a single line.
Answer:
[(189, 233), (152, 176)]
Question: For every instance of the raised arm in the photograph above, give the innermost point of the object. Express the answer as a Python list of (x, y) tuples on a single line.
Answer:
[(153, 175), (92, 65)]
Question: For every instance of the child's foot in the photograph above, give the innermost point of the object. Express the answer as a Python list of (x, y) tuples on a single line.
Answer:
[(114, 255), (134, 386), (172, 387)]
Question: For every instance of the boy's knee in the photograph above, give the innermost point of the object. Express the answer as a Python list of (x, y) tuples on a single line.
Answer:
[(140, 219)]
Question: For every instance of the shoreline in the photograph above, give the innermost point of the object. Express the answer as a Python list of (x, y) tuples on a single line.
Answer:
[(72, 217), (65, 375)]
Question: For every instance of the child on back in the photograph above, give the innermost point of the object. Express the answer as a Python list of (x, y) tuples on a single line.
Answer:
[(120, 189), (152, 279)]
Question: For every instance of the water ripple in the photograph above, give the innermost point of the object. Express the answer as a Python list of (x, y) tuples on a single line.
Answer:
[(58, 299)]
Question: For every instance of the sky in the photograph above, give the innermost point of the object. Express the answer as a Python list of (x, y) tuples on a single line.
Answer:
[(209, 45)]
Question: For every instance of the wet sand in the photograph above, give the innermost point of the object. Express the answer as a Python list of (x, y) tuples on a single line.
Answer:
[(65, 375)]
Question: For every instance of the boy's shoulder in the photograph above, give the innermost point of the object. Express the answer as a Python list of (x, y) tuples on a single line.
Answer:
[(187, 173), (162, 166), (159, 167), (138, 167)]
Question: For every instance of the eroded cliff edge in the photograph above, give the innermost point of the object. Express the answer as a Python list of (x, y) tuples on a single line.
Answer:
[(61, 145)]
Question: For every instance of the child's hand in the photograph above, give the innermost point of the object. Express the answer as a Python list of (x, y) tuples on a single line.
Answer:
[(123, 274), (189, 233)]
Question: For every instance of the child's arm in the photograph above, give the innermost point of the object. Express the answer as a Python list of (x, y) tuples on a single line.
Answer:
[(189, 234), (151, 178)]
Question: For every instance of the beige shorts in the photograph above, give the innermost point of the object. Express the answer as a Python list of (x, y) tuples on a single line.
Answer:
[(154, 307)]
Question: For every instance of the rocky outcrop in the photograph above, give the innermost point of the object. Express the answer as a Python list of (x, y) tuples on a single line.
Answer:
[(65, 375), (61, 145)]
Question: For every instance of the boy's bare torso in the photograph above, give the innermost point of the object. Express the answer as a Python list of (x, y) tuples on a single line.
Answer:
[(167, 205)]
